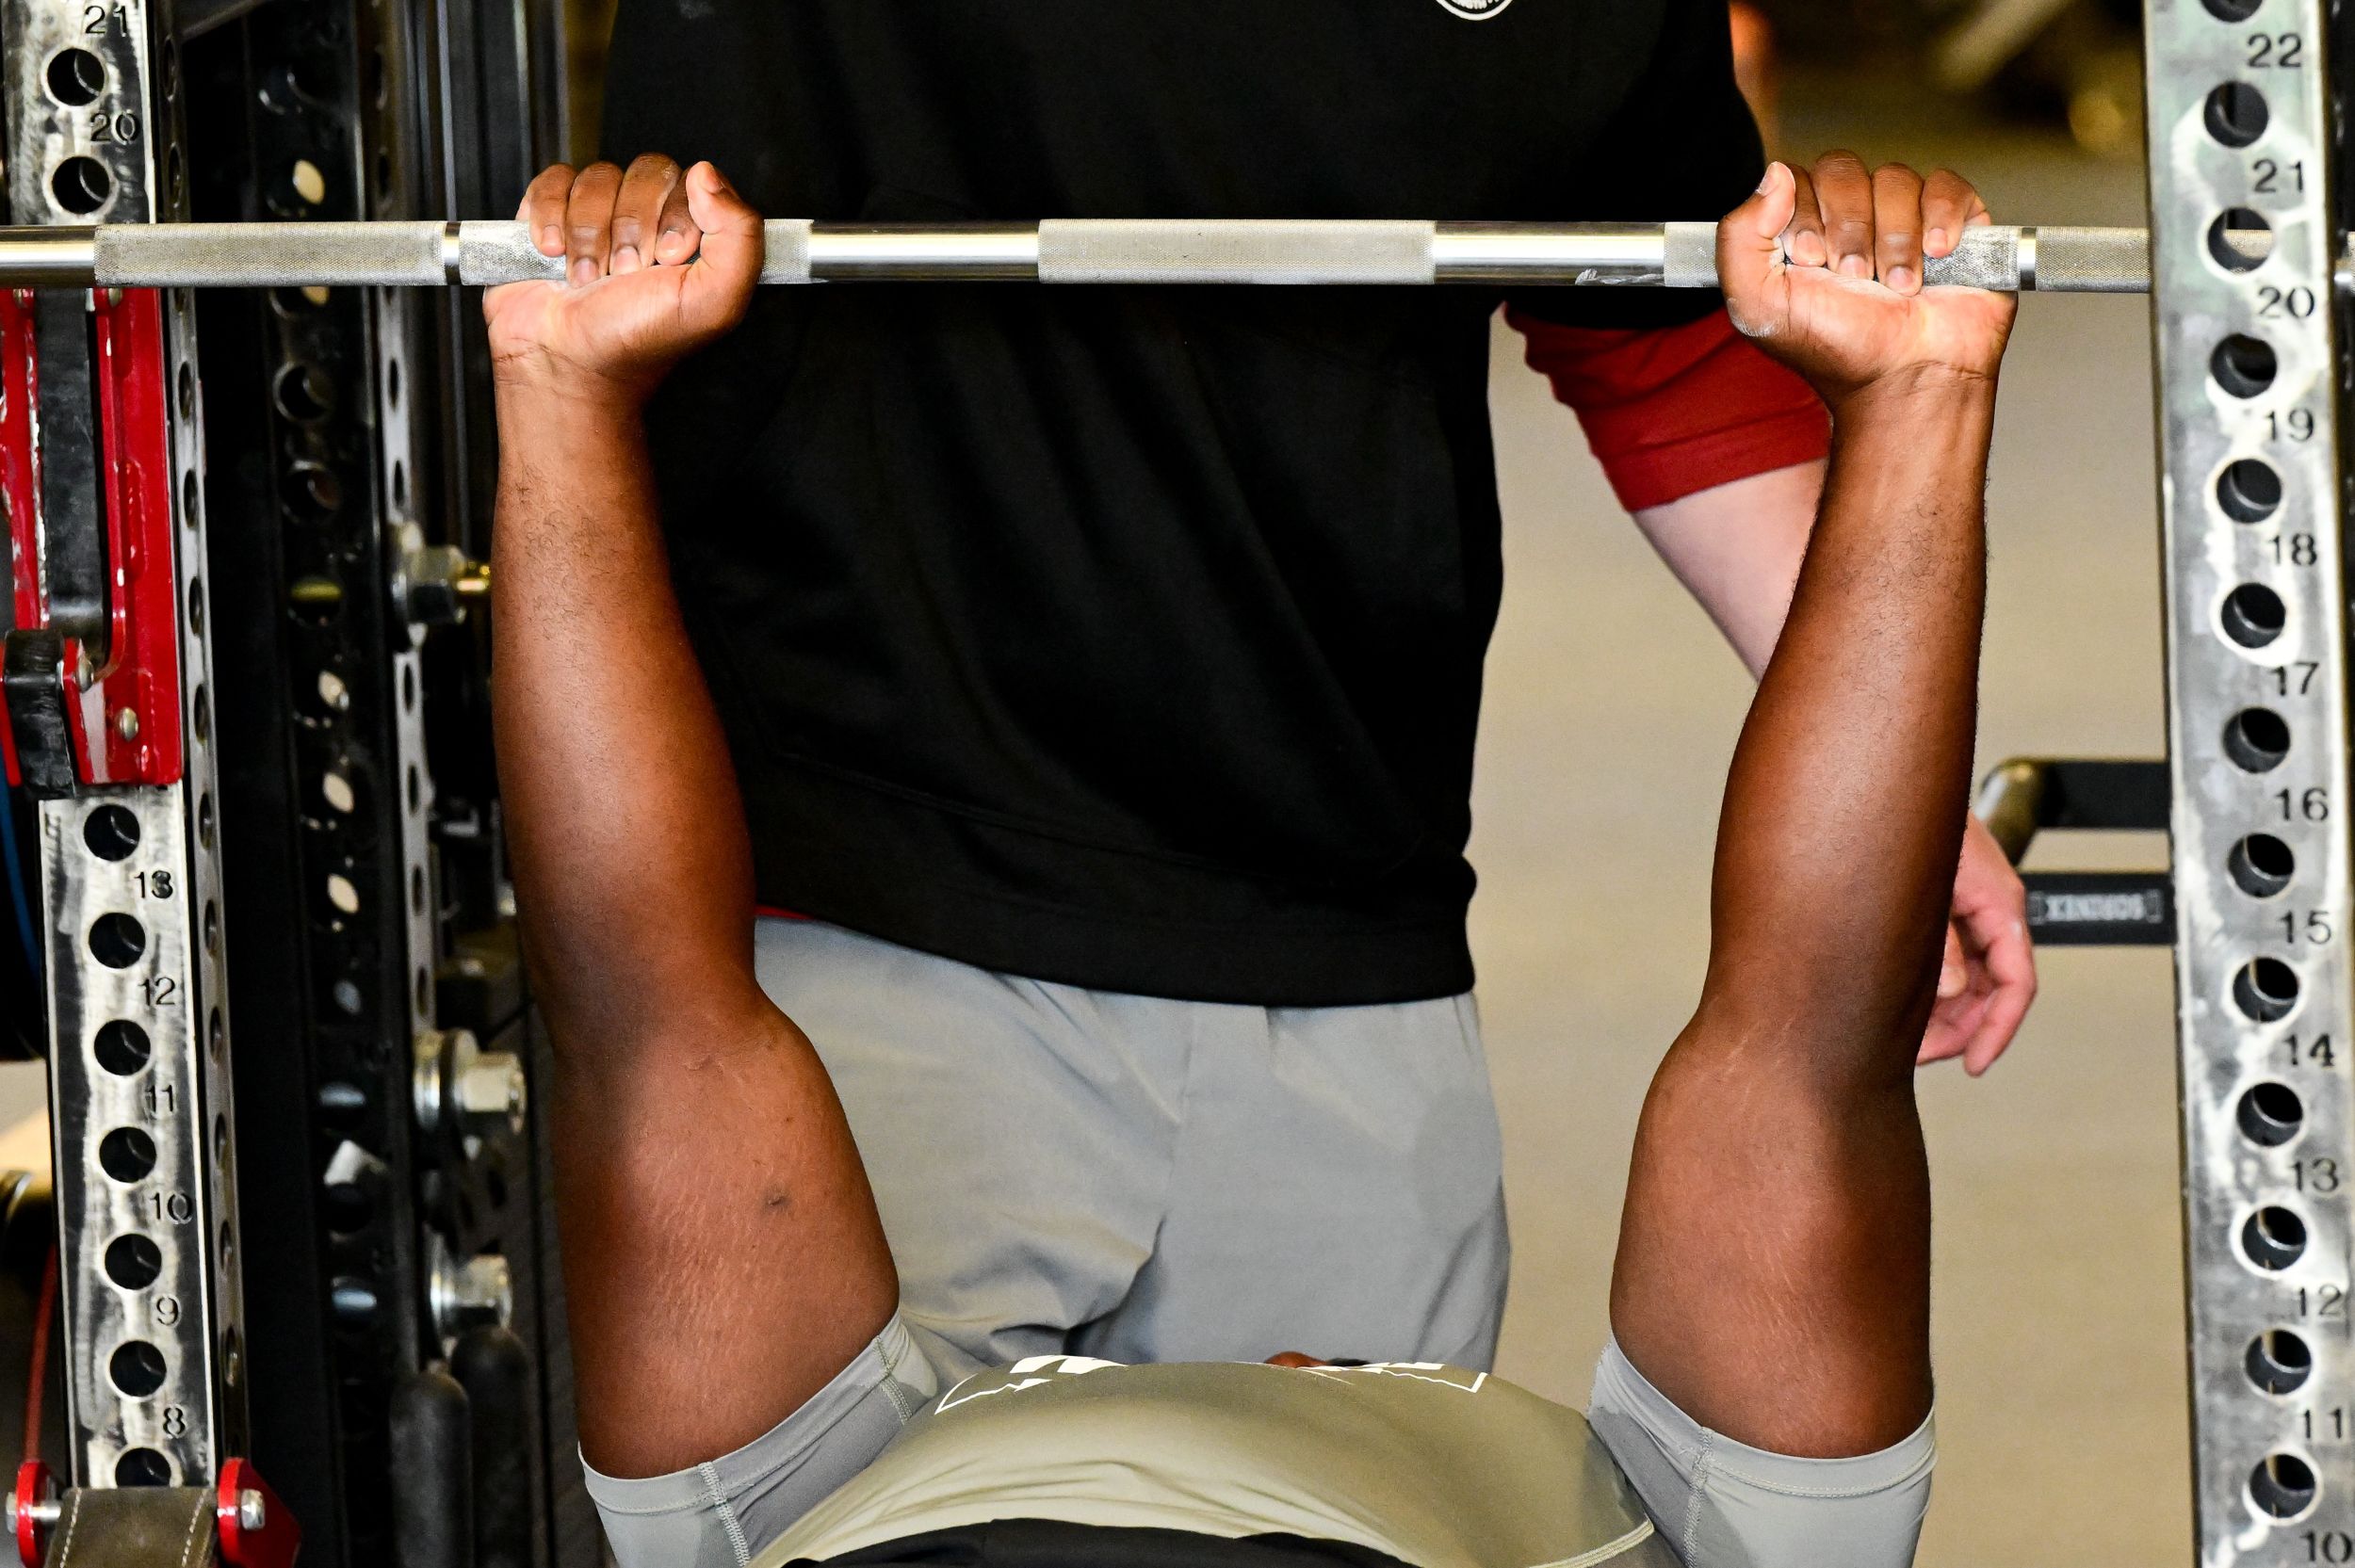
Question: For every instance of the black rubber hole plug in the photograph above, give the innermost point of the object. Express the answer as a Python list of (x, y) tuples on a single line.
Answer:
[(2279, 1361), (2281, 1486), (126, 1154), (2249, 491), (133, 1261), (2261, 865), (2244, 365), (111, 832), (2257, 741), (2274, 1239), (2270, 1114), (2254, 615), (2266, 989), (2236, 114), (122, 1047)]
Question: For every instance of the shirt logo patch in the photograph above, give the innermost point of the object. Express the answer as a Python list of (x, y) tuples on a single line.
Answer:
[(1475, 11)]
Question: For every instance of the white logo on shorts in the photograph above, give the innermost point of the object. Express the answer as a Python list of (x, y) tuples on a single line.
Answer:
[(1475, 11)]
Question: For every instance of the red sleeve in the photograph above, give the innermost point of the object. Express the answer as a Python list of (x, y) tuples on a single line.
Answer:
[(1678, 409)]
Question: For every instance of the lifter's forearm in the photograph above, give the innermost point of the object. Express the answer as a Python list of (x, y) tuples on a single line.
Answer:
[(1848, 791)]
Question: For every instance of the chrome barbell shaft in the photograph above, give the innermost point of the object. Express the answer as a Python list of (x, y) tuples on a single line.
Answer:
[(1064, 251)]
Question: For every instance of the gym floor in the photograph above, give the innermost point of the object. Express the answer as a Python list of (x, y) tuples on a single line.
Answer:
[(1612, 709)]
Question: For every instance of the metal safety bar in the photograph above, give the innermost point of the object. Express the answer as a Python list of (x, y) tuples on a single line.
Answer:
[(2048, 259)]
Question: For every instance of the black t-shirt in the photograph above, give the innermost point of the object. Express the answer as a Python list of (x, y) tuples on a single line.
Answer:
[(1132, 638)]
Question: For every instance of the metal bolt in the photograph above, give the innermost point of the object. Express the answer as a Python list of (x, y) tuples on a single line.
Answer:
[(127, 724), (483, 1090), (474, 1293), (252, 1512), (434, 583)]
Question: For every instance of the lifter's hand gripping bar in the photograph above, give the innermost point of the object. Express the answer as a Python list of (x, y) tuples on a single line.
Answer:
[(1060, 250)]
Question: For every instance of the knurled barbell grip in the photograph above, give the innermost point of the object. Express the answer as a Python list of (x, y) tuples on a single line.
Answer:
[(1066, 251)]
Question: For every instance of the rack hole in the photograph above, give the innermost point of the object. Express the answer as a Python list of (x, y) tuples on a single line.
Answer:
[(408, 689), (2281, 1486), (111, 832), (2266, 989), (186, 387), (216, 1034), (416, 889), (81, 184), (416, 791), (2249, 491), (2273, 1239), (2231, 11), (354, 1301), (117, 941), (134, 1261), (137, 1367), (312, 494), (126, 1154), (317, 601), (401, 486), (204, 819), (392, 383), (2257, 741), (122, 1047), (303, 392), (2254, 615), (2270, 1114), (348, 999), (2236, 114), (307, 182), (2244, 365), (2261, 865), (2279, 1361), (201, 716), (196, 606), (327, 698), (76, 78), (337, 790), (191, 500), (142, 1467), (342, 897), (348, 1209), (2240, 239)]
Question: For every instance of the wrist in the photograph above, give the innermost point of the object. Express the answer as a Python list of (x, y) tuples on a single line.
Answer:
[(536, 406), (1913, 393)]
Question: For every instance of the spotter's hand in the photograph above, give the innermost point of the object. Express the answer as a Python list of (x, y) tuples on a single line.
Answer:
[(1824, 269), (657, 263)]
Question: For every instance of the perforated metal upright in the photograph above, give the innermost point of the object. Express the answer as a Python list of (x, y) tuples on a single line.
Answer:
[(2249, 353), (107, 636)]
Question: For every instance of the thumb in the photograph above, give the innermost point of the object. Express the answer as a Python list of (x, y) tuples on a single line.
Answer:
[(1750, 254), (718, 287)]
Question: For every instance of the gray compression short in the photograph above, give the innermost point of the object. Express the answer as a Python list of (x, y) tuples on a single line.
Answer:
[(1713, 1502)]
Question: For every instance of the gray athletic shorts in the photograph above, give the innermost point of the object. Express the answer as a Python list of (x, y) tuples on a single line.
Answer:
[(1718, 1503), (1063, 1171)]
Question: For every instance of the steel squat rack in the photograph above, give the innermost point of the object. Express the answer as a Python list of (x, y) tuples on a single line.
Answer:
[(298, 1209)]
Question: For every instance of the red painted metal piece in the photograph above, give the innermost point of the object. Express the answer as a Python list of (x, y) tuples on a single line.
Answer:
[(34, 1484), (125, 715), (20, 481), (280, 1537)]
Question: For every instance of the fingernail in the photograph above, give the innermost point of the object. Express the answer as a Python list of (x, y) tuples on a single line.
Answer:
[(625, 259), (584, 272), (1807, 249), (1855, 266), (1938, 239), (551, 239), (669, 243), (1900, 279), (1767, 182)]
